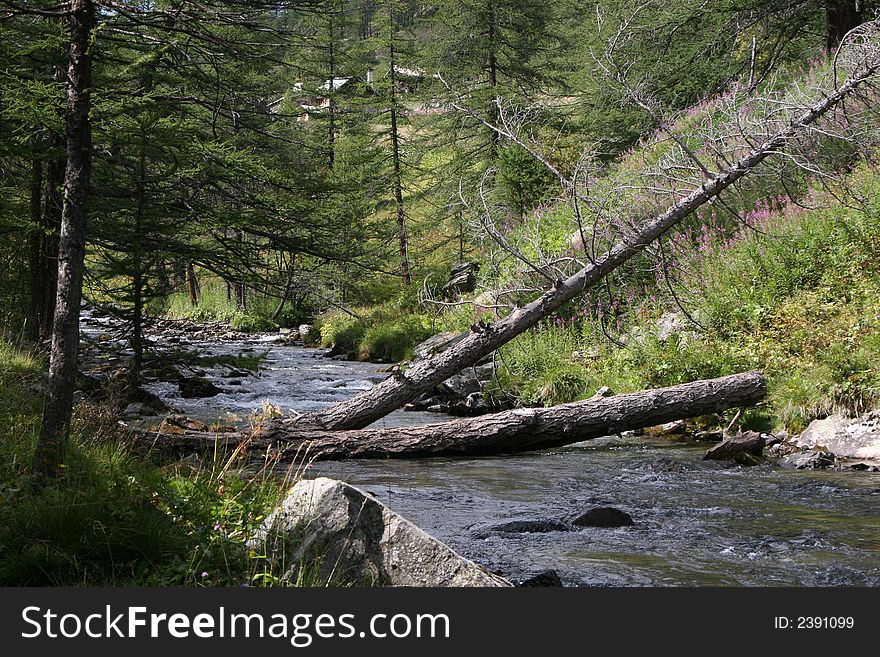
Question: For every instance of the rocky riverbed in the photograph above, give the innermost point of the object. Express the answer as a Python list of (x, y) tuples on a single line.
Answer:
[(694, 522)]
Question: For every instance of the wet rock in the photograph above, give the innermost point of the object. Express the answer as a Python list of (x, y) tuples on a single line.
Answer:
[(745, 442), (357, 539), (807, 460), (714, 435), (197, 387), (604, 516), (546, 578), (235, 374), (523, 527), (863, 467)]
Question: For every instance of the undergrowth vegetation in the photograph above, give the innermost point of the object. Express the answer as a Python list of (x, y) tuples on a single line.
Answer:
[(798, 298), (119, 516), (385, 333)]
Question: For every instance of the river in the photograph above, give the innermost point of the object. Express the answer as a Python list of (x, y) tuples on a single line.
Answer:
[(698, 523)]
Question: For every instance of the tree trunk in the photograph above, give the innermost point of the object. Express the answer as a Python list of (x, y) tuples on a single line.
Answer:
[(841, 16), (138, 270), (53, 204), (52, 211), (331, 107), (520, 430), (288, 287), (52, 444), (402, 237), (395, 391), (492, 66), (35, 260), (192, 284)]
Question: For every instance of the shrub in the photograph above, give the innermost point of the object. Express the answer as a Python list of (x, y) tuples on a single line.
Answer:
[(393, 340)]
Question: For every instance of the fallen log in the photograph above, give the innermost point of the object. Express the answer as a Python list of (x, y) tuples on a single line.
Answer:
[(519, 430), (403, 387)]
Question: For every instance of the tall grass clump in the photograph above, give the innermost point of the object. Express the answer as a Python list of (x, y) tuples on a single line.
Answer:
[(386, 333), (214, 306)]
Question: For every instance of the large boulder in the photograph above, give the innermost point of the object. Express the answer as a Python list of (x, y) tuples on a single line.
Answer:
[(845, 438), (344, 535)]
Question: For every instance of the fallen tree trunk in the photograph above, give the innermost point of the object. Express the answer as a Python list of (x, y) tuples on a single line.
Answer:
[(519, 430), (403, 387)]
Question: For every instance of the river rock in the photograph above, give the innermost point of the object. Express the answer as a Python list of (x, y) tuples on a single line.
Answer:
[(546, 578), (604, 516), (524, 527), (235, 374), (744, 442), (857, 438), (197, 387), (807, 460), (351, 537)]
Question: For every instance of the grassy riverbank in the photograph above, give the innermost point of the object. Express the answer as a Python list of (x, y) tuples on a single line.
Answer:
[(119, 517), (797, 296)]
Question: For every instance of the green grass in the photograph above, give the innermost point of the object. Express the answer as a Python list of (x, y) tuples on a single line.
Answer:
[(121, 517), (213, 306), (385, 333)]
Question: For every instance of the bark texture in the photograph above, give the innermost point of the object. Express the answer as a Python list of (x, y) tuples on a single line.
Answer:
[(65, 332), (519, 430), (394, 392)]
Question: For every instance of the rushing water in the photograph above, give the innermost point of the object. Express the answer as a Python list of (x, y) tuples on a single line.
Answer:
[(697, 522)]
